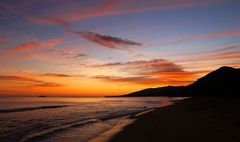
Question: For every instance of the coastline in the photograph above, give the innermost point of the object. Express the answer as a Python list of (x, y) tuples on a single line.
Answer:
[(128, 120), (109, 134), (194, 119)]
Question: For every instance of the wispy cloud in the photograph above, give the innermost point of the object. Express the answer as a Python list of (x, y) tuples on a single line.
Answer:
[(58, 75), (208, 59), (18, 78), (226, 50), (219, 35), (33, 45), (47, 20), (106, 40), (227, 53), (135, 79), (143, 80), (79, 56), (56, 12), (72, 53), (55, 75), (205, 37), (33, 82), (48, 84), (232, 46), (156, 65), (151, 72)]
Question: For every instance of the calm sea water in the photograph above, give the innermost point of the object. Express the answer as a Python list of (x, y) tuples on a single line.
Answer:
[(66, 119)]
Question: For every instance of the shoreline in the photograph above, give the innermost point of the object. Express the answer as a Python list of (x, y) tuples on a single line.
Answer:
[(128, 120), (194, 119), (109, 134)]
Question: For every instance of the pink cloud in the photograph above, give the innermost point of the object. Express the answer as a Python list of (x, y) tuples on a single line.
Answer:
[(33, 45), (205, 37), (216, 35), (219, 35), (63, 12)]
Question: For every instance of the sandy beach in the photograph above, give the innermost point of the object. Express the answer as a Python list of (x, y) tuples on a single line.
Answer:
[(204, 119)]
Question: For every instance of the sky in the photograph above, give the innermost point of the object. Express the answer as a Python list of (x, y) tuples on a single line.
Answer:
[(113, 47)]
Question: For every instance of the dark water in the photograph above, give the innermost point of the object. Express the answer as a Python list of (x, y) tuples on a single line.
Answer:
[(66, 119)]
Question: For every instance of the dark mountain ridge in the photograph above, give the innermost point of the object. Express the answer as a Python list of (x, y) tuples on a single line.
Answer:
[(221, 82)]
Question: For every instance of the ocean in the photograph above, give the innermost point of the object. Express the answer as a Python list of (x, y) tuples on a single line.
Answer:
[(52, 119)]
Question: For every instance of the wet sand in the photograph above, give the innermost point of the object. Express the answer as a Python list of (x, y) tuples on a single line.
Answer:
[(192, 120)]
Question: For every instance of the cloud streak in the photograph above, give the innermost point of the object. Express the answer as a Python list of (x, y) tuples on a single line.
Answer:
[(151, 72), (79, 56), (218, 35), (106, 40), (206, 37), (58, 75), (135, 79), (226, 50), (208, 59), (34, 45), (55, 12), (18, 78), (48, 84), (155, 65), (33, 82), (143, 80)]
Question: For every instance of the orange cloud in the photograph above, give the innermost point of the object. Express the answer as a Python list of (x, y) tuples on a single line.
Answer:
[(144, 80), (18, 78), (33, 45), (135, 79), (152, 72), (33, 82), (163, 72), (48, 84)]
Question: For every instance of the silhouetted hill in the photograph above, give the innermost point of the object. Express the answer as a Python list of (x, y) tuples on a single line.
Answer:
[(221, 82)]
